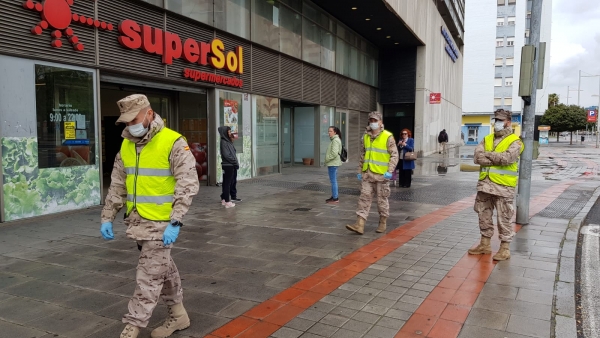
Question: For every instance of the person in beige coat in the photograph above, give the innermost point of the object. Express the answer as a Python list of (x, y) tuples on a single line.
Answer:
[(153, 224)]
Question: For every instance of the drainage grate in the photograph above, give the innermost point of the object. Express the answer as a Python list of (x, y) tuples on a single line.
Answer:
[(302, 209)]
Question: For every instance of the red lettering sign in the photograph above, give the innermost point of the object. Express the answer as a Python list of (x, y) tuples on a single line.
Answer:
[(197, 75), (435, 98), (57, 16), (171, 47)]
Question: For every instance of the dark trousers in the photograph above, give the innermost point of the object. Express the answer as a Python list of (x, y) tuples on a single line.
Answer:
[(405, 177), (229, 186)]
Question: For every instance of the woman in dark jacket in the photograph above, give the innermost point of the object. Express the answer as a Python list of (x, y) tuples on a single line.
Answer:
[(230, 165), (406, 144)]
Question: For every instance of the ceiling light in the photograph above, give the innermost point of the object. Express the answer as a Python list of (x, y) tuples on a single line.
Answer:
[(389, 36), (354, 8), (397, 43), (368, 19), (378, 28)]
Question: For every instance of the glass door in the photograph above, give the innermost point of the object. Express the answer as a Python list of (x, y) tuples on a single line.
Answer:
[(286, 131)]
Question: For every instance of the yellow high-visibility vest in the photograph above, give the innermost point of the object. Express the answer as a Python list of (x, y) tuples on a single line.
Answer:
[(377, 157), (150, 182), (507, 175)]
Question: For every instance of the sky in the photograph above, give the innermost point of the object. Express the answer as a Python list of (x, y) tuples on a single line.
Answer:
[(575, 46)]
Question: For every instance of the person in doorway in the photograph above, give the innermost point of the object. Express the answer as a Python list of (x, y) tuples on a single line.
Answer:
[(230, 166), (378, 160), (443, 141), (154, 176), (498, 155), (333, 161), (406, 167)]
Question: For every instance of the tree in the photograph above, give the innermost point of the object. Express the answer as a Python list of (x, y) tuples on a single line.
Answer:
[(553, 100), (565, 118)]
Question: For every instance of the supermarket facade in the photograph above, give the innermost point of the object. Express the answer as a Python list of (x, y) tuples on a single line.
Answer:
[(278, 72)]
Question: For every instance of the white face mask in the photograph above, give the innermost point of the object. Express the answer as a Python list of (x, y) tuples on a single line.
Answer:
[(138, 130), (499, 125), (374, 125)]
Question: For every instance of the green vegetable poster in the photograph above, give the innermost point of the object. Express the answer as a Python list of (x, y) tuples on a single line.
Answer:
[(30, 191)]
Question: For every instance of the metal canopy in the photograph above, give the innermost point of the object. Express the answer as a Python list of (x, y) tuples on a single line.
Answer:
[(380, 17)]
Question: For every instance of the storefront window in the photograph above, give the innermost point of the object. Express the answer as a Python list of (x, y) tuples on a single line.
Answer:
[(65, 116), (291, 32), (233, 16), (327, 50), (194, 127), (230, 109), (201, 10), (266, 129), (311, 46), (265, 23), (325, 121)]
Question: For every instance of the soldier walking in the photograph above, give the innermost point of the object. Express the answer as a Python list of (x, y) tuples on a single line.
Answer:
[(378, 159), (498, 155), (155, 176)]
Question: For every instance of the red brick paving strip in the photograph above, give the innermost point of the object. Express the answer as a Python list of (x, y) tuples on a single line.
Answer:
[(442, 314)]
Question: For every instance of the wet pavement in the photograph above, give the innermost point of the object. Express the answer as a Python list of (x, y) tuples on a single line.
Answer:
[(281, 262)]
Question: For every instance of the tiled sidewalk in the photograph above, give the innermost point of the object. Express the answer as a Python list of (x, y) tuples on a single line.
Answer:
[(416, 281)]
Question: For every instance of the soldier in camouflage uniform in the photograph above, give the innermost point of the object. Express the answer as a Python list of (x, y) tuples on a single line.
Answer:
[(497, 184), (371, 181), (157, 276)]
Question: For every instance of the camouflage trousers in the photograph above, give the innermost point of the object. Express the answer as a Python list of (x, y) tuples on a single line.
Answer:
[(367, 190), (156, 277), (484, 207)]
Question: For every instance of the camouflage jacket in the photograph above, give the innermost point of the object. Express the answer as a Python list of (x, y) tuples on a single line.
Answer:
[(183, 167), (392, 150), (488, 158)]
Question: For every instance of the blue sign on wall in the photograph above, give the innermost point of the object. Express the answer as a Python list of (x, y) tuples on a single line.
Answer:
[(516, 118), (450, 48)]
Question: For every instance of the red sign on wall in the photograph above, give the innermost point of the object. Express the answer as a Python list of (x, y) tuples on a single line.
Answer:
[(592, 116), (435, 98)]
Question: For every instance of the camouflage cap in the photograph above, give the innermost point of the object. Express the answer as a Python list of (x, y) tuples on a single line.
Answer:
[(375, 115), (131, 106), (503, 115)]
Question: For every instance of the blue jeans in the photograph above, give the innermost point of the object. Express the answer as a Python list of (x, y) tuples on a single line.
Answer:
[(333, 180)]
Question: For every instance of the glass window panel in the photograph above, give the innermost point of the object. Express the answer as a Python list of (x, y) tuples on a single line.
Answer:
[(291, 32), (498, 62), (201, 10), (354, 68), (510, 61), (497, 101), (326, 121), (193, 126), (230, 105), (295, 4), (265, 23), (311, 46), (508, 81), (233, 16), (498, 82), (65, 114), (327, 50), (266, 128), (310, 12), (342, 57), (508, 101)]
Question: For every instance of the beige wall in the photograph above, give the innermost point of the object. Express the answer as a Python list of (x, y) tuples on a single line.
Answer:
[(435, 73)]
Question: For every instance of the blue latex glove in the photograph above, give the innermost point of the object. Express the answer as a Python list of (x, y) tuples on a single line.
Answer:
[(170, 234), (387, 175), (359, 176), (106, 230)]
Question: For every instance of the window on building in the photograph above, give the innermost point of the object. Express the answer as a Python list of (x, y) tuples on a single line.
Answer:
[(510, 61), (64, 100), (500, 42), (311, 42), (201, 10), (510, 2), (342, 57), (499, 62), (233, 16), (501, 2), (498, 82), (500, 22), (511, 20), (527, 33), (295, 4), (497, 101), (328, 51), (508, 82), (291, 32), (510, 41), (265, 126), (508, 101), (265, 23), (528, 14)]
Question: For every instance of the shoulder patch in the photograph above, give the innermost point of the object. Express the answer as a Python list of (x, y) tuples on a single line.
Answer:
[(186, 148)]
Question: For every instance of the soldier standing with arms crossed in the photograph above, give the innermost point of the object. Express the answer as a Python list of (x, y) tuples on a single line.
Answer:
[(154, 172), (378, 159), (498, 155)]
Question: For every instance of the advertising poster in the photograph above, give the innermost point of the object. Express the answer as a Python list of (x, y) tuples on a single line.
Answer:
[(230, 113)]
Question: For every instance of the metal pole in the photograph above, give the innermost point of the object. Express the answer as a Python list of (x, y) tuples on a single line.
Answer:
[(524, 193)]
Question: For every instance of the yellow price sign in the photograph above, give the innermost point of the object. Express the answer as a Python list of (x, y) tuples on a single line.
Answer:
[(70, 130)]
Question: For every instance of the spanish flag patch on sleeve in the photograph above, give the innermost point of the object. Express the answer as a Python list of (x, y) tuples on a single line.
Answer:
[(186, 148)]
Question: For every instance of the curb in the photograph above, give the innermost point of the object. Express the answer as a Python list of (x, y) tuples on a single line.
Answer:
[(563, 306)]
